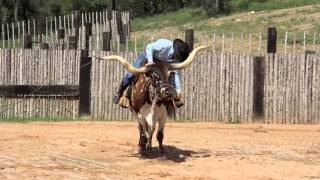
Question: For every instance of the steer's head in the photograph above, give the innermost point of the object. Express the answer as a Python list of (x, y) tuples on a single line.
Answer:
[(158, 74)]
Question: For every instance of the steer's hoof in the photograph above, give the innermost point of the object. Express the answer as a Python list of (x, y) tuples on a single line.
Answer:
[(149, 148), (143, 151)]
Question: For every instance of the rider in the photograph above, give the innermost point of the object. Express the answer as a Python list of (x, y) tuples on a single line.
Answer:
[(162, 50)]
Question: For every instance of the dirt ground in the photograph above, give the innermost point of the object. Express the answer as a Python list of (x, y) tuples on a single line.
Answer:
[(107, 150)]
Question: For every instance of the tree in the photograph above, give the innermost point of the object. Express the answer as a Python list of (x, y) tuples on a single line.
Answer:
[(16, 5), (220, 5), (114, 5)]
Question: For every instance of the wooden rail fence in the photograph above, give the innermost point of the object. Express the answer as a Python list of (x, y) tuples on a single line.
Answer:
[(56, 31), (292, 89), (27, 76), (223, 87), (217, 87)]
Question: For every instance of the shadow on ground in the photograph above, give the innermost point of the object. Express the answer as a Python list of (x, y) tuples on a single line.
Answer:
[(174, 154)]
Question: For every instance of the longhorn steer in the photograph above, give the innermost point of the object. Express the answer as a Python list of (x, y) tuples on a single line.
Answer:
[(152, 96)]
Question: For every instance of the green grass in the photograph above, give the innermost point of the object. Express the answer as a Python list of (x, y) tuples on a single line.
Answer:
[(233, 122), (194, 16), (178, 18), (133, 44), (36, 119), (264, 5), (9, 44)]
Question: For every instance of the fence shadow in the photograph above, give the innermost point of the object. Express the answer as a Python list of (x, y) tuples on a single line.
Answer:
[(175, 154)]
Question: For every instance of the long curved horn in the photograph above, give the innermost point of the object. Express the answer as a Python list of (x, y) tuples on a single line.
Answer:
[(125, 63), (189, 60)]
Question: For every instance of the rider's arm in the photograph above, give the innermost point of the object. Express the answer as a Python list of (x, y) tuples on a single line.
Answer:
[(177, 81)]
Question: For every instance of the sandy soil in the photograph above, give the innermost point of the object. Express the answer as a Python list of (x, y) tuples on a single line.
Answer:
[(106, 150)]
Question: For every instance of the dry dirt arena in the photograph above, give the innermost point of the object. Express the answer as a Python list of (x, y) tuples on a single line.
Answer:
[(106, 150)]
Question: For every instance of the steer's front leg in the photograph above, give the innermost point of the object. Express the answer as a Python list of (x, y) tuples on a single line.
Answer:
[(142, 140), (150, 119), (162, 118)]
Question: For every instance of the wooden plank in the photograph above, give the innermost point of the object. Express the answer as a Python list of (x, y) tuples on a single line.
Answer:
[(84, 100), (2, 66), (295, 96), (99, 87), (317, 99), (232, 86), (209, 87), (301, 86), (269, 87), (226, 87), (313, 91)]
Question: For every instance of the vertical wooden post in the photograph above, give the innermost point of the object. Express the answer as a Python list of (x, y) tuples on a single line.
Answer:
[(84, 85), (40, 27), (19, 34), (304, 40), (109, 15), (13, 35), (23, 31), (121, 32), (260, 42), (126, 30), (294, 42), (189, 38), (220, 5), (8, 35), (72, 42), (61, 35), (113, 5), (2, 33), (223, 38), (272, 40), (27, 43), (88, 29), (286, 42), (106, 38), (231, 43), (314, 40), (135, 43), (250, 42), (77, 24), (258, 86)]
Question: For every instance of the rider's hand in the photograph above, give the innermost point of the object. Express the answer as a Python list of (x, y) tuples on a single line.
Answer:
[(179, 96), (150, 63)]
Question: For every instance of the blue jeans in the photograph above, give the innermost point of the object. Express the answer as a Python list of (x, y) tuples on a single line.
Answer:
[(137, 63)]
